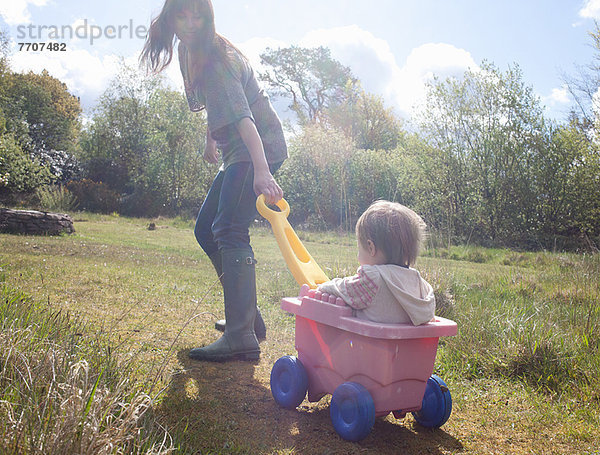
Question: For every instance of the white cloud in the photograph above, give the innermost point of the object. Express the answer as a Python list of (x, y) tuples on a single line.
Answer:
[(558, 103), (86, 75), (424, 64), (373, 62), (559, 95), (256, 46), (370, 58), (591, 9), (402, 85), (17, 11)]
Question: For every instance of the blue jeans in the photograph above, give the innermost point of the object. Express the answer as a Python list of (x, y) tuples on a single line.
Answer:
[(228, 210)]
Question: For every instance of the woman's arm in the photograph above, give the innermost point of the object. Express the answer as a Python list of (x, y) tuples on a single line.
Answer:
[(264, 183), (210, 151)]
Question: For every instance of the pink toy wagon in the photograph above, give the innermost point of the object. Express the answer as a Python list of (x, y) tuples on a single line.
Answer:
[(371, 369)]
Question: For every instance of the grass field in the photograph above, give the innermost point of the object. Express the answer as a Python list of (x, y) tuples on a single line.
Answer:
[(523, 371)]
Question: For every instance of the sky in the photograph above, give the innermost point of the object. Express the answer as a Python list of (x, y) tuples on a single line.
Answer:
[(393, 46)]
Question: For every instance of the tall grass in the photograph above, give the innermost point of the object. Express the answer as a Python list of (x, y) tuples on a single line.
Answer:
[(533, 318), (63, 391)]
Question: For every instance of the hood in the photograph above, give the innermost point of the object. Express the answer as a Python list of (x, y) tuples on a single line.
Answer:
[(413, 292)]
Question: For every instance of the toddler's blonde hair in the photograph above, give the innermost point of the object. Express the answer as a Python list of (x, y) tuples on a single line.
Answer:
[(394, 229)]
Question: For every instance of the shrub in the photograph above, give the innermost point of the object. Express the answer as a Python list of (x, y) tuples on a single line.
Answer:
[(94, 196), (56, 199), (142, 203)]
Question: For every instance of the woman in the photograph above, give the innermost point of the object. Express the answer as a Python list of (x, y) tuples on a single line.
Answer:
[(244, 127)]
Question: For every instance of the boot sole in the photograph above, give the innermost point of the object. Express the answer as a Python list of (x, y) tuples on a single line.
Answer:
[(244, 356)]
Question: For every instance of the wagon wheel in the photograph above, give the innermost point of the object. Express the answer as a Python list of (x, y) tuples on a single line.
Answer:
[(289, 382), (437, 404), (352, 411)]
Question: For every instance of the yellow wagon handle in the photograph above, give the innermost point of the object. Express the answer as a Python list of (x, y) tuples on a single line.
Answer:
[(302, 265)]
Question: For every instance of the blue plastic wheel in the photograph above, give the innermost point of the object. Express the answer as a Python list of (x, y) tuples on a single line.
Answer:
[(352, 411), (289, 382), (437, 404)]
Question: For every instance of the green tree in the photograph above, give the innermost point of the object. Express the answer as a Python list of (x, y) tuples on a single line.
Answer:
[(554, 183), (583, 87), (574, 209), (38, 128), (364, 117), (144, 142), (18, 172), (488, 132), (329, 182), (175, 169), (115, 145), (372, 175), (4, 65), (309, 76), (422, 181), (315, 177), (49, 110), (43, 117)]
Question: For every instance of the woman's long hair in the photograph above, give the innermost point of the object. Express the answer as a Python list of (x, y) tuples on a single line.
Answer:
[(158, 49)]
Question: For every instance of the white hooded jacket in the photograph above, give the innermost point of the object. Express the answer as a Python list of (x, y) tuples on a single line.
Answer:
[(385, 293)]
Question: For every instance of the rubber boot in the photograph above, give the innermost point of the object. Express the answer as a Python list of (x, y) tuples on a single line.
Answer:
[(239, 288), (260, 330), (217, 261), (259, 324)]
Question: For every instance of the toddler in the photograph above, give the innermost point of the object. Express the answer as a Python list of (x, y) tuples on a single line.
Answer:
[(385, 288)]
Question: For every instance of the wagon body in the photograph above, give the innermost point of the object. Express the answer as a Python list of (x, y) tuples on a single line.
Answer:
[(392, 361)]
